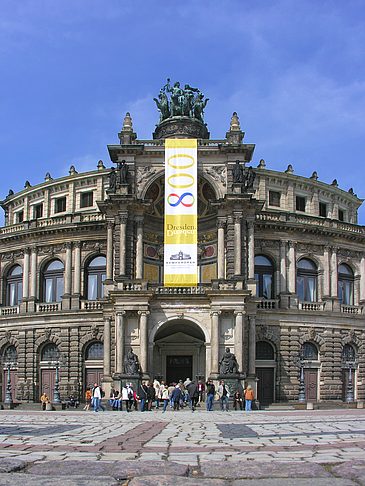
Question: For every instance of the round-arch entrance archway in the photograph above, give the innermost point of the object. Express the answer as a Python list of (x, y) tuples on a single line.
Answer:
[(179, 351)]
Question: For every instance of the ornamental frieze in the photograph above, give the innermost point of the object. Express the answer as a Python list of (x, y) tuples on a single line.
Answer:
[(143, 173), (268, 333), (12, 256)]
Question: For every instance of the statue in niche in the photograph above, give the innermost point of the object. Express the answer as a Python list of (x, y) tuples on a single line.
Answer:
[(131, 363), (123, 172), (228, 364), (112, 180), (238, 174), (250, 177)]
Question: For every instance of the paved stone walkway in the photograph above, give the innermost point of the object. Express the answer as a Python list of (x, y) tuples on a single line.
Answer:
[(230, 448)]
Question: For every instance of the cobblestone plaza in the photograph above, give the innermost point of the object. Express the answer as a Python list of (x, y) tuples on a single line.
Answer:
[(183, 447)]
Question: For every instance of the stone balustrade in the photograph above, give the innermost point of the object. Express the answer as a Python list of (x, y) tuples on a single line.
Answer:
[(92, 305), (10, 311), (48, 307), (311, 306)]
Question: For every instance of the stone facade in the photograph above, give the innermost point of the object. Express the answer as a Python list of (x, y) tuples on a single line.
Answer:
[(78, 317)]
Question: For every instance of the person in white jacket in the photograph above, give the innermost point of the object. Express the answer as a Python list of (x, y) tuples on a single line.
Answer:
[(223, 395)]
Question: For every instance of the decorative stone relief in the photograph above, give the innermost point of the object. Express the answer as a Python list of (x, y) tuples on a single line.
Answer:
[(226, 329), (94, 331), (268, 333), (143, 173), (351, 338), (218, 173), (312, 335), (133, 329)]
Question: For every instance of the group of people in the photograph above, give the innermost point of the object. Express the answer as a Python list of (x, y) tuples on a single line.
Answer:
[(156, 395)]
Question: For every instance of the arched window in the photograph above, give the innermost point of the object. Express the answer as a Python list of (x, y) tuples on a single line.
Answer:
[(53, 281), (307, 280), (264, 272), (95, 351), (96, 273), (14, 286), (10, 355), (345, 285), (264, 351), (348, 353), (50, 352), (310, 351)]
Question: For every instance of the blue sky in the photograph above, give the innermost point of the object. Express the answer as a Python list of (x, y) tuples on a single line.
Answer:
[(293, 70)]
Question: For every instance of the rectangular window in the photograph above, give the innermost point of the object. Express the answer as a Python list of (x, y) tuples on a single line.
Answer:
[(86, 199), (60, 205), (323, 209), (274, 198), (38, 211), (341, 215), (20, 216), (300, 203)]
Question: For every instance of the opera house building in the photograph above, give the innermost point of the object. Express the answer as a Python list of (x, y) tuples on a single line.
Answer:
[(279, 275)]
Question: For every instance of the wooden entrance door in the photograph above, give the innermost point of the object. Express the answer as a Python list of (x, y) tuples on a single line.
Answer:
[(13, 383), (93, 375), (178, 368), (48, 379), (265, 385), (311, 384)]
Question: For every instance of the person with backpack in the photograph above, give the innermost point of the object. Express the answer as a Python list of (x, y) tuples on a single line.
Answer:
[(97, 394), (192, 389)]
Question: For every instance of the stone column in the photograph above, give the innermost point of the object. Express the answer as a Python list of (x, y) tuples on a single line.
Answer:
[(251, 250), (214, 342), (109, 251), (26, 274), (362, 279), (220, 259), (77, 268), (33, 272), (107, 340), (326, 272), (334, 270), (139, 248), (252, 346), (143, 331), (239, 340), (291, 268), (119, 341), (122, 244), (68, 270), (283, 288), (237, 246)]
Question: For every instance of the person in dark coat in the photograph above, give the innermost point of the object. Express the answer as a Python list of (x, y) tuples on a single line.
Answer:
[(193, 392), (151, 396), (143, 395), (176, 397), (210, 389)]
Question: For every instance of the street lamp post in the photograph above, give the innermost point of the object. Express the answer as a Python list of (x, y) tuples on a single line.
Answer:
[(56, 392), (8, 395)]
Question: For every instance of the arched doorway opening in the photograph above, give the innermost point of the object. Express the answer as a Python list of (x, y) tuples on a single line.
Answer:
[(179, 351)]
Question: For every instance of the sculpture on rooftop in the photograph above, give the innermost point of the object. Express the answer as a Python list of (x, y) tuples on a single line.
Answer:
[(177, 101)]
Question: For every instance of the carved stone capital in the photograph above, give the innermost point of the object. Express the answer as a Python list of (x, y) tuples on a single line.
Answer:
[(143, 313)]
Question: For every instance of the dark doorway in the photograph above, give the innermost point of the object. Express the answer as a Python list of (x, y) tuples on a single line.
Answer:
[(265, 385), (178, 368), (48, 379), (311, 384)]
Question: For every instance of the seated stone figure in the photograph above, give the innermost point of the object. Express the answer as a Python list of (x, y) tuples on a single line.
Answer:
[(228, 364), (131, 363)]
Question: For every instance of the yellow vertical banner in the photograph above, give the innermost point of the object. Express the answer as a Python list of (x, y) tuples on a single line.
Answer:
[(181, 213)]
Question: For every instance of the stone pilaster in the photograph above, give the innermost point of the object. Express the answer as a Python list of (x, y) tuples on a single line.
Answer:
[(122, 244), (252, 346), (109, 251), (107, 348), (119, 341), (237, 245), (26, 266), (239, 340), (214, 342), (143, 330), (139, 247), (221, 249)]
